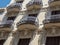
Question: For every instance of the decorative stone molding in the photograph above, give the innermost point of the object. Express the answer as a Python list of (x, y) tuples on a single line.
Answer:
[(55, 7), (4, 34)]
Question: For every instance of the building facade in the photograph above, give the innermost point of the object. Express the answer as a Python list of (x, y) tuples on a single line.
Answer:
[(30, 22)]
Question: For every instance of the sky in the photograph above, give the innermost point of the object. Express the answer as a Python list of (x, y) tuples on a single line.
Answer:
[(4, 3)]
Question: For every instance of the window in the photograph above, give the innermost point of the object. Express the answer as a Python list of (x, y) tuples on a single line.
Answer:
[(55, 12), (35, 15), (56, 0), (1, 42), (19, 1), (53, 40), (11, 18), (24, 41)]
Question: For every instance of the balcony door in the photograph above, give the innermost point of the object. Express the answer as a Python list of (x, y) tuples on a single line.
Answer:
[(53, 41), (24, 41), (1, 42)]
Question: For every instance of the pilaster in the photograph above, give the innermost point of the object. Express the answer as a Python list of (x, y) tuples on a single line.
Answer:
[(35, 38), (13, 37), (42, 39), (42, 16)]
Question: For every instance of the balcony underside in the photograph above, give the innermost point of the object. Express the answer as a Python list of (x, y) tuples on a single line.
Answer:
[(5, 28), (13, 9), (12, 13), (27, 27), (49, 23), (31, 7), (54, 3)]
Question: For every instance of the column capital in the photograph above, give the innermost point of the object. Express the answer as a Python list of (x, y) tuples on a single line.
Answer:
[(14, 34)]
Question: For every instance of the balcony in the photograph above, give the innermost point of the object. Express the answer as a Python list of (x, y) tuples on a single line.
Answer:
[(54, 21), (28, 23), (36, 4), (13, 9), (10, 14), (33, 11), (6, 26), (1, 11), (54, 3)]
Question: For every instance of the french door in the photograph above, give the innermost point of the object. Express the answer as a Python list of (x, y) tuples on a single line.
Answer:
[(24, 41), (1, 42), (53, 41)]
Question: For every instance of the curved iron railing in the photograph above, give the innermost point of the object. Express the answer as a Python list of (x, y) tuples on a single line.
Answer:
[(34, 3), (29, 20), (53, 19)]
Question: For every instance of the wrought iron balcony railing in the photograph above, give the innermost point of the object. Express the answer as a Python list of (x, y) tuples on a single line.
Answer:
[(7, 24), (29, 20), (33, 3), (50, 1), (14, 6), (53, 19)]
